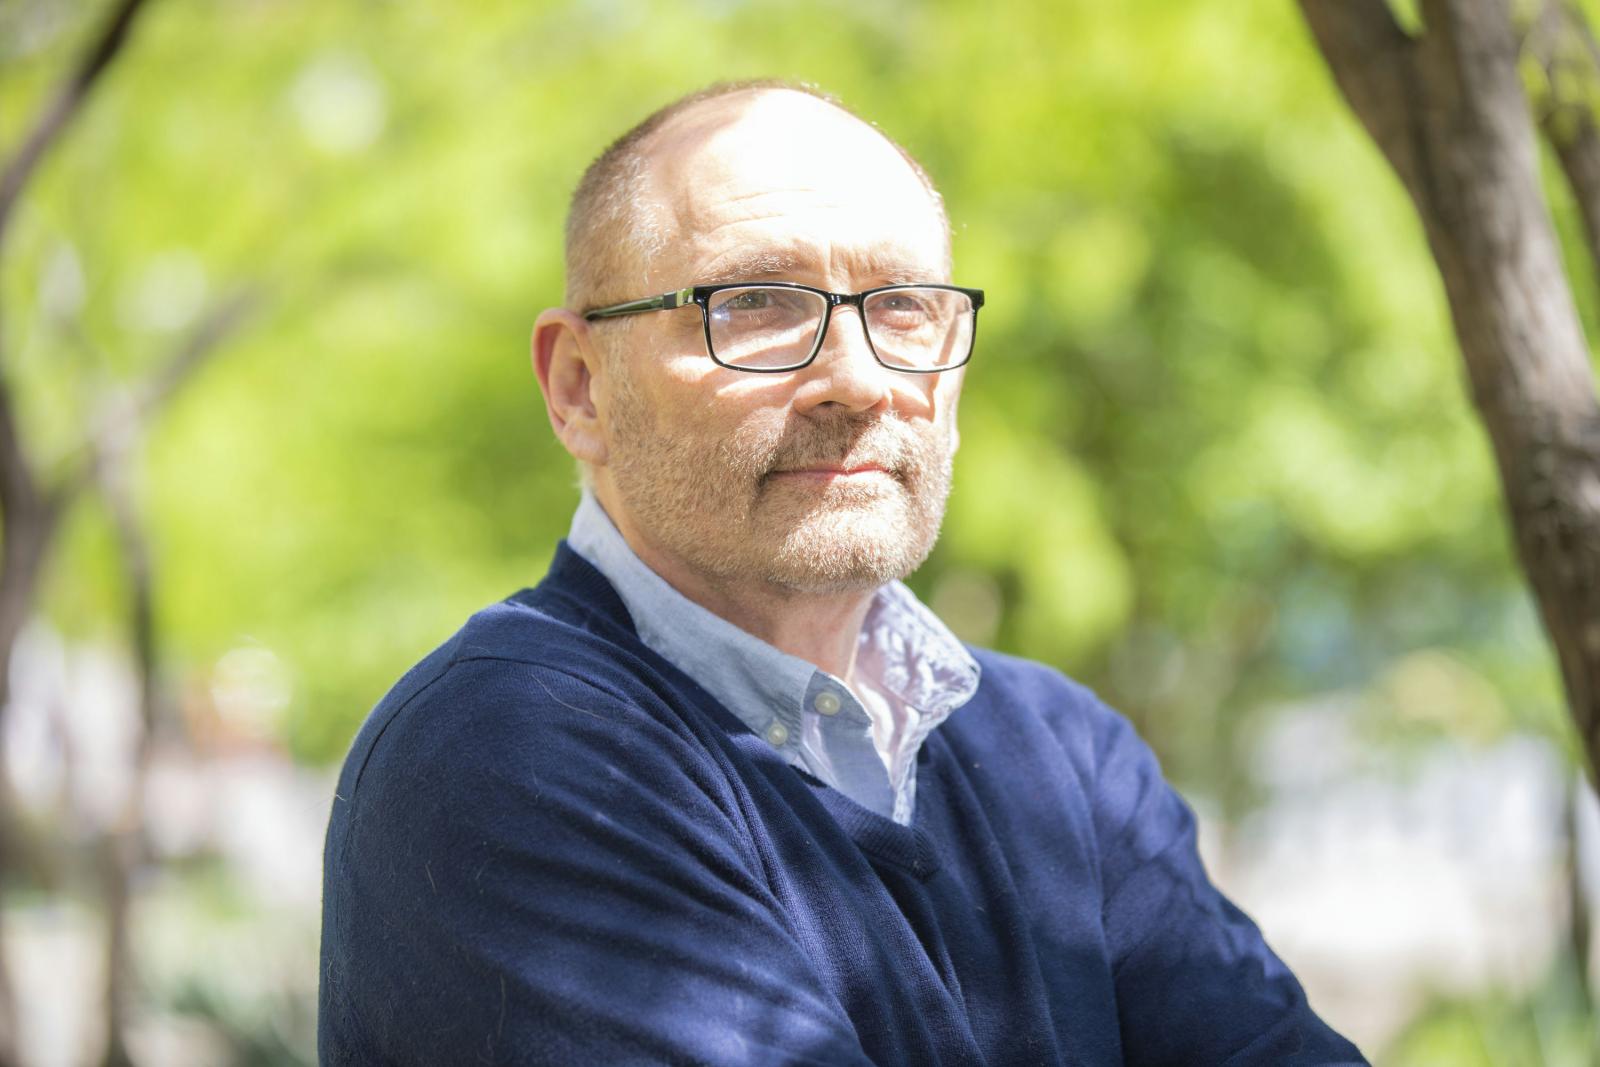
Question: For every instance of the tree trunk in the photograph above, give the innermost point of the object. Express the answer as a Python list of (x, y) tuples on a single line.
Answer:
[(123, 850), (1448, 110), (29, 531)]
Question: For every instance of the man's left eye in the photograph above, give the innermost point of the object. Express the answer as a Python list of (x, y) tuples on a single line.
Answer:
[(902, 304)]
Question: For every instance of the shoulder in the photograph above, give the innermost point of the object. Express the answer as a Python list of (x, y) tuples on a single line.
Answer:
[(514, 687), (519, 788), (1040, 702), (514, 737)]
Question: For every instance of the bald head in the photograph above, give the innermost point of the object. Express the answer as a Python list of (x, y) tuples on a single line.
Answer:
[(655, 188)]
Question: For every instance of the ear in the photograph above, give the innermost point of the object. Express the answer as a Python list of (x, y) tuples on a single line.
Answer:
[(564, 361)]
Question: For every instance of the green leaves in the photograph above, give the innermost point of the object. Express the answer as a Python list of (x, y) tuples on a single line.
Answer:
[(1214, 348)]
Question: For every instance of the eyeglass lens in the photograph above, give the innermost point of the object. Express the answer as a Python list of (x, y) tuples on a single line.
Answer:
[(766, 327)]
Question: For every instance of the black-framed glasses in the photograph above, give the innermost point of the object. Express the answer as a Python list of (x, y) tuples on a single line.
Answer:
[(768, 327)]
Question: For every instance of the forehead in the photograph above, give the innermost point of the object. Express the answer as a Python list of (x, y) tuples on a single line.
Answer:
[(779, 183)]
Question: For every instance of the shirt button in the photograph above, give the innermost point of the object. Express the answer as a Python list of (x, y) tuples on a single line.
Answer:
[(777, 733), (827, 702)]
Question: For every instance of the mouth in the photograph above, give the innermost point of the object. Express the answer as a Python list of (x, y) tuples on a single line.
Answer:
[(832, 473)]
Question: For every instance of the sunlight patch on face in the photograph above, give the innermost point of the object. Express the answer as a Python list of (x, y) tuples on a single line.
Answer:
[(705, 465), (715, 500), (849, 545)]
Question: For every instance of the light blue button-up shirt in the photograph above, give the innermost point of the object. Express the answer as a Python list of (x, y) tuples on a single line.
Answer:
[(911, 672)]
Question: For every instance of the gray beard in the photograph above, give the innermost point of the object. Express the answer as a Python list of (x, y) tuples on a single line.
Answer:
[(717, 507)]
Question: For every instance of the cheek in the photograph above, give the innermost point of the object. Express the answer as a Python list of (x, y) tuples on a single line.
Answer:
[(750, 439), (946, 399), (703, 431), (930, 417)]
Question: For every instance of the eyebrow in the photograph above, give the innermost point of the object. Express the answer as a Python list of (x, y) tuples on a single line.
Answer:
[(751, 266), (766, 264)]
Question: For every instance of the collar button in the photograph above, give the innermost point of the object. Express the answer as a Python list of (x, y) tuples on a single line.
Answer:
[(827, 702)]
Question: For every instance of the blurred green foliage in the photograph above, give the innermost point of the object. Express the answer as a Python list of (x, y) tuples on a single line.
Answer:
[(1553, 1026), (1217, 453), (1216, 445)]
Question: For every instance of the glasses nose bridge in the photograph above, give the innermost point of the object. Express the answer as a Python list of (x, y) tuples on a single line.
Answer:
[(855, 300)]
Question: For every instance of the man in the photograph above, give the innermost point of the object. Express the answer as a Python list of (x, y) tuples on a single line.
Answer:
[(719, 790)]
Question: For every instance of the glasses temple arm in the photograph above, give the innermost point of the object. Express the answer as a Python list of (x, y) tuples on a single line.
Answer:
[(664, 302)]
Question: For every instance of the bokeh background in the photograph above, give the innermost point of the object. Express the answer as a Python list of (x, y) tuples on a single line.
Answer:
[(1218, 462)]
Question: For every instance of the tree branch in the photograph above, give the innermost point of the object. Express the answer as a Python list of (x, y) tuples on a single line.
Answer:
[(1371, 58), (1561, 42), (220, 322), (53, 120), (123, 845), (19, 493), (19, 490)]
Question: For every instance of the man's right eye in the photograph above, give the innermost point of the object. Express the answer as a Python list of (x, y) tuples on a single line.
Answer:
[(749, 300)]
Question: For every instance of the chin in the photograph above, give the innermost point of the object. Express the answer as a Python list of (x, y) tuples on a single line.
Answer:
[(850, 550)]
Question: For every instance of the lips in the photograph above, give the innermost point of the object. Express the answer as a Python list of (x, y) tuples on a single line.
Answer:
[(838, 471), (846, 451)]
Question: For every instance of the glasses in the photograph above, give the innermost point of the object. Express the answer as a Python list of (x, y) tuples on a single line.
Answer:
[(779, 326)]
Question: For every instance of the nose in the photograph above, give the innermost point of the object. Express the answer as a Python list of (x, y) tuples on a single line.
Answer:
[(845, 375)]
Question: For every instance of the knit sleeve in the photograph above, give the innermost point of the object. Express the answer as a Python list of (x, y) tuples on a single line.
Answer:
[(531, 870), (1195, 981)]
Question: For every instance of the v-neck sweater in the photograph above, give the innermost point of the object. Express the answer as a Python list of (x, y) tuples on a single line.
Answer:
[(548, 845), (860, 737)]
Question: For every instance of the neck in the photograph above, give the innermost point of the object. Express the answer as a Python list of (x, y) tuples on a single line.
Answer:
[(820, 628)]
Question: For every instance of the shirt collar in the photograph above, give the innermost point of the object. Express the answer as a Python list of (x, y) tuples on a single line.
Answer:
[(904, 647)]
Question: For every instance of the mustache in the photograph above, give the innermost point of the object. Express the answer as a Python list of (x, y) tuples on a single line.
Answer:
[(885, 441)]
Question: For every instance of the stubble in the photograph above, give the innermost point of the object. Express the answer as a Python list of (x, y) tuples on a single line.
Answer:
[(720, 503)]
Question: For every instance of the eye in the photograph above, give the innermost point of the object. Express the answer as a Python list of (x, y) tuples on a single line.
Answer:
[(903, 302), (764, 305), (749, 300), (903, 310)]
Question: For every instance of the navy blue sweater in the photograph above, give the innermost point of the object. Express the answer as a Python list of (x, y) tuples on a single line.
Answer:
[(548, 845)]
